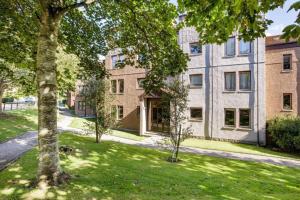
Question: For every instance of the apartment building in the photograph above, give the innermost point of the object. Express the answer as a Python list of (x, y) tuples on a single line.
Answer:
[(282, 77)]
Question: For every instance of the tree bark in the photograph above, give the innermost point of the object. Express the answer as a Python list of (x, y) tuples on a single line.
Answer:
[(49, 169)]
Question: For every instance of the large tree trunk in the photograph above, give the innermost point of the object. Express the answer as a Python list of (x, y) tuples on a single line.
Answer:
[(49, 169)]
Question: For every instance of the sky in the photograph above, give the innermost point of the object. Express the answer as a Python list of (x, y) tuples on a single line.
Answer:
[(279, 16)]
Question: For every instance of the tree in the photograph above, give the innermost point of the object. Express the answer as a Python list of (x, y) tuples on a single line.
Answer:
[(175, 98), (39, 27), (293, 30), (216, 20)]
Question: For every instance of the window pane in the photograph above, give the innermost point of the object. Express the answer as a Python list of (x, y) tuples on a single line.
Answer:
[(230, 81), (196, 113), (244, 47), (121, 85), (140, 82), (120, 112), (114, 60), (245, 80), (229, 117), (195, 48), (121, 58), (196, 80), (287, 101), (230, 47), (114, 86), (287, 62), (245, 118)]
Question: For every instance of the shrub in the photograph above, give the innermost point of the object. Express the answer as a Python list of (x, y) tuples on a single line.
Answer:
[(285, 131)]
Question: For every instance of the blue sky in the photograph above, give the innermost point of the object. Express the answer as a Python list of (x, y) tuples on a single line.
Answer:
[(279, 16)]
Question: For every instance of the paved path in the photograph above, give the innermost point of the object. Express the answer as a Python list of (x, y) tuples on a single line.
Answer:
[(13, 149)]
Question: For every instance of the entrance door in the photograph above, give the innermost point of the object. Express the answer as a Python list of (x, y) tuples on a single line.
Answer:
[(159, 120)]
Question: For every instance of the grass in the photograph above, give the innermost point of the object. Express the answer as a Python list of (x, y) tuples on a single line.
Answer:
[(235, 147), (116, 171), (16, 122), (80, 123)]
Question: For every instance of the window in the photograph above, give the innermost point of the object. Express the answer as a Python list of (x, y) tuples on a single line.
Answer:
[(287, 101), (141, 58), (245, 118), (114, 60), (196, 113), (245, 80), (114, 86), (140, 83), (196, 80), (121, 86), (287, 60), (230, 81), (230, 117), (244, 47), (230, 47), (195, 48), (81, 105), (120, 112)]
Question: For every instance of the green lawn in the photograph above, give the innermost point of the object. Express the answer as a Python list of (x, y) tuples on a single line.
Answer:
[(14, 123), (235, 147), (116, 171), (80, 123)]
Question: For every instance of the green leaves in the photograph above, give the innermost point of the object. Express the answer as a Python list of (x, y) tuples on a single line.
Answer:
[(216, 20), (293, 31)]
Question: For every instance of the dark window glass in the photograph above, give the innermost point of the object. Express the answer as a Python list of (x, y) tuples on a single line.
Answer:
[(121, 86), (245, 118), (195, 48), (245, 80), (287, 59), (230, 81), (140, 82), (114, 86), (287, 101), (196, 80), (229, 117), (196, 113), (230, 47)]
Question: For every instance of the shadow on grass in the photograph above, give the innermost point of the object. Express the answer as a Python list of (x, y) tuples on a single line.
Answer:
[(116, 171), (14, 123)]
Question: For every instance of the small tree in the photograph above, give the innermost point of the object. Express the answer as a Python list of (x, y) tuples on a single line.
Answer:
[(175, 96), (99, 99)]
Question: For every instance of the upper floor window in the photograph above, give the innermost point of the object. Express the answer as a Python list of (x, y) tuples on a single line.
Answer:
[(287, 62), (121, 86), (287, 101), (230, 81), (113, 88), (230, 47), (140, 83), (196, 113), (196, 80), (244, 118), (245, 80), (195, 48), (115, 59), (244, 47), (120, 112)]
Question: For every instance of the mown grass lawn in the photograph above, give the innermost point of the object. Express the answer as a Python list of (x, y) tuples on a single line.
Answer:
[(81, 123), (116, 171), (235, 147), (16, 122)]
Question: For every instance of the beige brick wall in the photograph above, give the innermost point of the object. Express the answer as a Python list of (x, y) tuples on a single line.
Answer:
[(279, 82)]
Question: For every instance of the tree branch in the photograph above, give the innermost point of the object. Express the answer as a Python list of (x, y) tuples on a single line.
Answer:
[(77, 5)]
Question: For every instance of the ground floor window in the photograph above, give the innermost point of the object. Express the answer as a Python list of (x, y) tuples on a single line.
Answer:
[(120, 112), (229, 117), (244, 118), (196, 113), (81, 105), (287, 101)]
